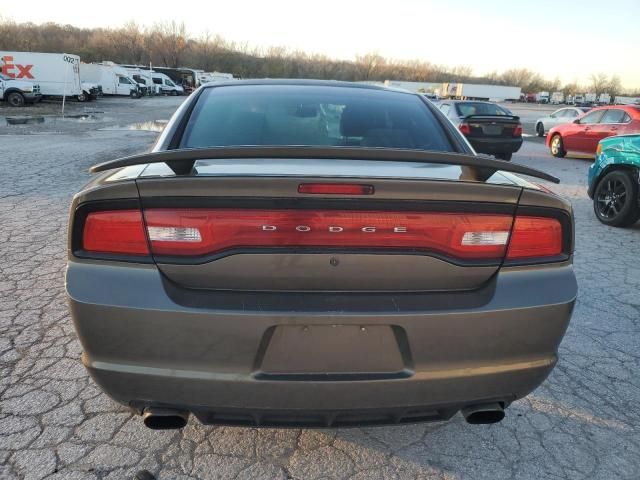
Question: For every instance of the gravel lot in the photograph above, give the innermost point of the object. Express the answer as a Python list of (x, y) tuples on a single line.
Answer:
[(583, 423)]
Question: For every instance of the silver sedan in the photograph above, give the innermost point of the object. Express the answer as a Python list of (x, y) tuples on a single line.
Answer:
[(563, 115)]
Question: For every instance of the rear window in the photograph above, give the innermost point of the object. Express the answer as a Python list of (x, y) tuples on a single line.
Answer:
[(466, 109), (613, 116), (283, 115)]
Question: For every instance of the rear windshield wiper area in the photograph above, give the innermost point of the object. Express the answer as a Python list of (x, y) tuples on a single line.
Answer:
[(181, 161)]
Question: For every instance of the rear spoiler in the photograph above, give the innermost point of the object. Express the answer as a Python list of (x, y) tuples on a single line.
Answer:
[(493, 117), (181, 161)]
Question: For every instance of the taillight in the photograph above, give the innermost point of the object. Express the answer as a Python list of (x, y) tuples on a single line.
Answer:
[(465, 128), (199, 232), (535, 237), (458, 235), (335, 189), (517, 132), (115, 232)]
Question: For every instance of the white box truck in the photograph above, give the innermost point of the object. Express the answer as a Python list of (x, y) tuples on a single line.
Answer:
[(542, 97), (114, 79), (604, 99), (207, 77), (58, 74), (557, 98)]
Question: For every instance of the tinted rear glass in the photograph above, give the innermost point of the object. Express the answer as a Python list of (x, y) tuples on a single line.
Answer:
[(613, 116), (312, 115), (466, 109)]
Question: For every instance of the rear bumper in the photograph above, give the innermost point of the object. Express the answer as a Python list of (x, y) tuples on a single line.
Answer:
[(149, 343), (495, 145)]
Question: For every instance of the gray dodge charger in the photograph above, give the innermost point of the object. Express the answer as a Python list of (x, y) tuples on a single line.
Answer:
[(317, 254)]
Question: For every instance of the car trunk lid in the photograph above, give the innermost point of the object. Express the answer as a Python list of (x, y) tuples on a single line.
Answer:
[(499, 126), (259, 229)]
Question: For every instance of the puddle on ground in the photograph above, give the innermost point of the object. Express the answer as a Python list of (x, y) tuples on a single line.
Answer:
[(23, 120), (86, 117), (149, 126), (17, 120)]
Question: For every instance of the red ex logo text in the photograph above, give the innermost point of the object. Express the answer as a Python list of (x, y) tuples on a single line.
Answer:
[(15, 71)]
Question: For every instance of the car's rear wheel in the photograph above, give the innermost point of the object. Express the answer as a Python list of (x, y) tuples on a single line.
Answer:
[(504, 156), (540, 129), (16, 99), (615, 201), (557, 147)]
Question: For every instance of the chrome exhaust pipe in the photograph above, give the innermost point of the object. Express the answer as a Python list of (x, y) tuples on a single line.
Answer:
[(164, 418), (483, 414)]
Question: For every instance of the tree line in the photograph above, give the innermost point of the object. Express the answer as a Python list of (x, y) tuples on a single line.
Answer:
[(169, 44)]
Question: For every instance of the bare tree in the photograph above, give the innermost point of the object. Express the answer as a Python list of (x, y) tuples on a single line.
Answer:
[(598, 83), (614, 86), (369, 65), (169, 41)]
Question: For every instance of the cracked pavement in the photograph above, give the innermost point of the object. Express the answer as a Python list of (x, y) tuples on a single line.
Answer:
[(582, 423)]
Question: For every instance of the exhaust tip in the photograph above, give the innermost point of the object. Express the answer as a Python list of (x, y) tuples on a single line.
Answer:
[(164, 419), (483, 414)]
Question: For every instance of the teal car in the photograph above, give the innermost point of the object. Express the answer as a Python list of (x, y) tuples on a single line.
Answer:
[(614, 180)]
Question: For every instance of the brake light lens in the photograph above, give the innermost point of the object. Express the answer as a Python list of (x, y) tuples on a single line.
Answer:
[(535, 237), (335, 189), (517, 132), (458, 235), (115, 232), (465, 128)]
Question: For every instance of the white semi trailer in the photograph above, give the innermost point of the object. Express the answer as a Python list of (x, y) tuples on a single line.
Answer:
[(620, 100), (470, 91)]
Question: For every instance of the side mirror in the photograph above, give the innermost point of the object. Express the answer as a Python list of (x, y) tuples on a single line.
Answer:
[(577, 120)]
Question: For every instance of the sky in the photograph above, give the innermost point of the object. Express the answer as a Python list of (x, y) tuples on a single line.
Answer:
[(566, 38)]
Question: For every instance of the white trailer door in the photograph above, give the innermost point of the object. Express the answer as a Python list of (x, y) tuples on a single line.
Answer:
[(72, 83)]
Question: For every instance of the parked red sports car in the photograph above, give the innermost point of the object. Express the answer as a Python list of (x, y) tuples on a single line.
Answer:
[(583, 134)]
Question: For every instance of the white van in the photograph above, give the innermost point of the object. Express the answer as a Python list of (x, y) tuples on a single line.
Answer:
[(113, 79), (143, 77), (166, 85), (58, 74)]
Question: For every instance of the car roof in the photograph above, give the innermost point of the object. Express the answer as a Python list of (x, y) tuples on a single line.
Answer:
[(472, 101), (303, 82)]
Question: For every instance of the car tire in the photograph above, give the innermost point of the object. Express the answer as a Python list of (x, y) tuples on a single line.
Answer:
[(615, 200), (540, 129), (16, 99), (504, 156), (557, 146), (83, 97), (174, 93)]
